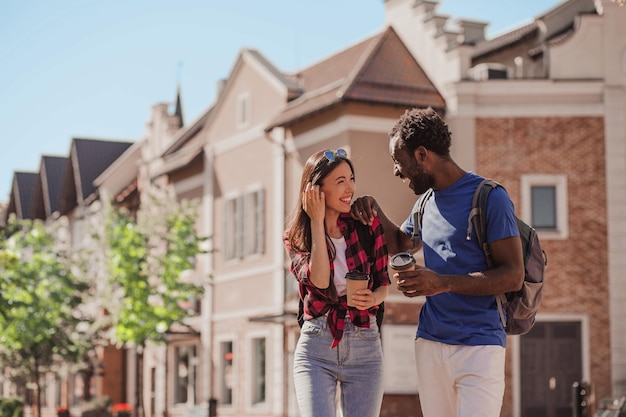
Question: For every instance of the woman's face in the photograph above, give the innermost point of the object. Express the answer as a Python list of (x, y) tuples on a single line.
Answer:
[(338, 188)]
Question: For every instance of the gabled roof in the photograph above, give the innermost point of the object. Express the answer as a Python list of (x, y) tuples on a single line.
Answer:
[(185, 135), (88, 159), (549, 27), (506, 39), (287, 82), (37, 208), (51, 176), (378, 70), (292, 86), (22, 192)]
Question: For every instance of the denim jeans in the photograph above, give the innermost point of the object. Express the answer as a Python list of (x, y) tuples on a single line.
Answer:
[(355, 365)]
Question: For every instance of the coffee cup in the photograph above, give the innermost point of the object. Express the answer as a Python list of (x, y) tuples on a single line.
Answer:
[(355, 281), (402, 261)]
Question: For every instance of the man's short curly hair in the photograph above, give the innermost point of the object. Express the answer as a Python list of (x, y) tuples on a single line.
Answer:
[(422, 127)]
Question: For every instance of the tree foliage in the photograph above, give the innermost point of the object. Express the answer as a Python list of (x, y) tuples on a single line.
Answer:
[(41, 302), (148, 260)]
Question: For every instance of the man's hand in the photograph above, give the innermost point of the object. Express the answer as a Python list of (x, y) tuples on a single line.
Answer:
[(364, 209), (421, 282)]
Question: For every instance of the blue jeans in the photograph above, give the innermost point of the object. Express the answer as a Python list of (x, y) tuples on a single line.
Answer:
[(355, 364)]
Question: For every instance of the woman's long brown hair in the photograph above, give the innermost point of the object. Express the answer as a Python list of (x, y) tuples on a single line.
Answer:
[(316, 169)]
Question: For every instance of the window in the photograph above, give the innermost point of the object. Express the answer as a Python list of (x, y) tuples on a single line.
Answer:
[(543, 200), (258, 370), (58, 389), (185, 375), (226, 350), (44, 391), (243, 110), (78, 384), (254, 214), (233, 221), (544, 204), (77, 233), (244, 225)]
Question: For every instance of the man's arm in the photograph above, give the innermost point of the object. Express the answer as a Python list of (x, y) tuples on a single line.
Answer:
[(507, 275), (365, 208)]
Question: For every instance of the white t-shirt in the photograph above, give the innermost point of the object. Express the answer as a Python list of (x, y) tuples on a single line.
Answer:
[(340, 265)]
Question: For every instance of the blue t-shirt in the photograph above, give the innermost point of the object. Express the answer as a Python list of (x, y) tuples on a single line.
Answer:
[(453, 318)]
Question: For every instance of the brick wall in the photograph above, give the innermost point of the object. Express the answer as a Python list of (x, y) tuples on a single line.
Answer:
[(576, 279), (114, 383)]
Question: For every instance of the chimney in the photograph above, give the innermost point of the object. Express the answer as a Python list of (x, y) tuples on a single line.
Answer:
[(471, 31)]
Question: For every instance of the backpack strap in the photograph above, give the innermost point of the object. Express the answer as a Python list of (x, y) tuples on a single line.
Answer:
[(418, 216), (477, 221)]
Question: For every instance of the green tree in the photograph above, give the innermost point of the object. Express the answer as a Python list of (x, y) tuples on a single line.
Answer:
[(41, 303), (147, 260), (151, 261)]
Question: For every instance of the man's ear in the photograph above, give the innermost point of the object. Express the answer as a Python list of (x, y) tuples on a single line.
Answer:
[(420, 153)]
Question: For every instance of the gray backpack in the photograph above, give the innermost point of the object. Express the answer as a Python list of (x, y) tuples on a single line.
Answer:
[(517, 309)]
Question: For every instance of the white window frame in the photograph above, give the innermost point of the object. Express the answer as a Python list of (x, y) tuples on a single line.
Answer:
[(559, 182), (254, 388), (244, 225), (253, 406), (244, 110), (192, 370), (254, 220), (233, 372)]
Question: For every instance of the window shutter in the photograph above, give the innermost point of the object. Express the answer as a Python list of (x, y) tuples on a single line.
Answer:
[(239, 227), (260, 221), (229, 230)]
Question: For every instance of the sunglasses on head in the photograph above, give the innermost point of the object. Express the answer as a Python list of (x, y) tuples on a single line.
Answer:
[(334, 155)]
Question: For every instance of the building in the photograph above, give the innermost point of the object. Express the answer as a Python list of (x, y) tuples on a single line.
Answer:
[(541, 108)]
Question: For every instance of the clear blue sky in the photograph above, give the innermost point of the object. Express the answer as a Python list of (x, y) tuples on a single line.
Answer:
[(93, 68)]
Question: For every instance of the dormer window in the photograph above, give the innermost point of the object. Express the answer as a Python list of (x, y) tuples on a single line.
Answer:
[(243, 110), (488, 71)]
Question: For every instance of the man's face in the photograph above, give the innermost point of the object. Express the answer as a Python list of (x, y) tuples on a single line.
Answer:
[(407, 166)]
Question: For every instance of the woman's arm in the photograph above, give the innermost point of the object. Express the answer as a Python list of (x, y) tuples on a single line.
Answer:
[(314, 204)]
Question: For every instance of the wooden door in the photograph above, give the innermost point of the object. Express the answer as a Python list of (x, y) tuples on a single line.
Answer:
[(551, 361)]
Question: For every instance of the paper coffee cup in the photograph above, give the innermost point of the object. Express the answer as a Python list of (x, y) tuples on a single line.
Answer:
[(402, 261), (355, 281)]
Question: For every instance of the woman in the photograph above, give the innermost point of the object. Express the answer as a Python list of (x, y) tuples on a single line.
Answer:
[(338, 344)]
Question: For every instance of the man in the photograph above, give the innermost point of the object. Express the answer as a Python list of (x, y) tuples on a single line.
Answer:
[(460, 342)]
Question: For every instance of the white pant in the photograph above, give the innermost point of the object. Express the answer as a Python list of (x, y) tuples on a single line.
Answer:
[(459, 381)]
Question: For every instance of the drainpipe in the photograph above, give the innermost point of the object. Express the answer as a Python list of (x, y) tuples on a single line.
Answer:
[(206, 270), (278, 139)]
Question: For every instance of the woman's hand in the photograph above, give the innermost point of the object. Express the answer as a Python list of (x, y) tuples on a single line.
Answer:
[(314, 202), (363, 299), (314, 205)]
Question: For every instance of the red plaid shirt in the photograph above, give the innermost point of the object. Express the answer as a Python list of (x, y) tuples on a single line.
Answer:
[(318, 301)]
